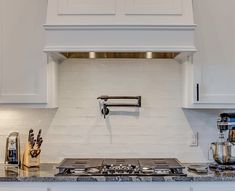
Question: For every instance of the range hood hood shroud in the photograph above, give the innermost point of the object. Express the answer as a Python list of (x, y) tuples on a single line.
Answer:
[(120, 26)]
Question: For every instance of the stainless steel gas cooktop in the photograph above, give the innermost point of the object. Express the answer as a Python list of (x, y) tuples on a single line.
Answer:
[(120, 167)]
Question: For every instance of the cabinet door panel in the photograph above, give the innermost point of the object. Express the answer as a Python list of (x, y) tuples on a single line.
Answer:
[(119, 186), (213, 186), (23, 186), (214, 64), (9, 188), (155, 7), (87, 7), (22, 62)]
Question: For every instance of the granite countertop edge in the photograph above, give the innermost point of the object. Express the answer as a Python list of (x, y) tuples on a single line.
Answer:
[(116, 179), (47, 172)]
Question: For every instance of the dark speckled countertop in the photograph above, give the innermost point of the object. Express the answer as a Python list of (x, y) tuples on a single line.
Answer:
[(47, 172)]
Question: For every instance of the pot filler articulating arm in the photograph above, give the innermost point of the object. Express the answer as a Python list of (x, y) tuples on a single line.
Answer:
[(105, 98)]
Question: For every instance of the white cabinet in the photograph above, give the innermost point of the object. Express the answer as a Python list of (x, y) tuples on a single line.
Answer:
[(23, 186), (211, 79), (120, 186), (117, 186), (22, 189), (94, 186), (23, 65), (213, 186)]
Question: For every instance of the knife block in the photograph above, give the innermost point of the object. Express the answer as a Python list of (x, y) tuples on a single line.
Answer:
[(28, 159)]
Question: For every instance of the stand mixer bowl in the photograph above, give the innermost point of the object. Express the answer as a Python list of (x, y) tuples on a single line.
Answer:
[(223, 152)]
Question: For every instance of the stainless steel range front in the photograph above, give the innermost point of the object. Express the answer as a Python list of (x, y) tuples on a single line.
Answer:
[(121, 167)]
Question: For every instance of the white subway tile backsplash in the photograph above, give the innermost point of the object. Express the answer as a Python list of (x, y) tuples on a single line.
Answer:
[(160, 128)]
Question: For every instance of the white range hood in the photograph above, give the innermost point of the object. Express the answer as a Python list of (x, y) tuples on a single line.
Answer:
[(116, 26), (120, 25)]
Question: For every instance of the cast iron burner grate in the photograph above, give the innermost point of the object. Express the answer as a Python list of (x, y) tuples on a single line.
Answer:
[(121, 167)]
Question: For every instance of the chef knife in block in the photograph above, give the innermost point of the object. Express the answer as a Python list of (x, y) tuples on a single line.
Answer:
[(31, 157)]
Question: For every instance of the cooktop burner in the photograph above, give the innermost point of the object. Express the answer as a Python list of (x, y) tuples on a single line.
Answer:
[(128, 166)]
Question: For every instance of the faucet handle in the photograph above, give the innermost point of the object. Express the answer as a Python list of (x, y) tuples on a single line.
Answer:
[(103, 97), (105, 110)]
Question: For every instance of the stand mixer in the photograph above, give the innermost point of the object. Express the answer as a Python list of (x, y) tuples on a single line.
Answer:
[(224, 149)]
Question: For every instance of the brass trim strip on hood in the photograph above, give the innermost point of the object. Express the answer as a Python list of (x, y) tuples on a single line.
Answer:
[(131, 55)]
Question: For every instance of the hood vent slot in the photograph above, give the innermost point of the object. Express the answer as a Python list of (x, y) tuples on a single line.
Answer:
[(120, 55)]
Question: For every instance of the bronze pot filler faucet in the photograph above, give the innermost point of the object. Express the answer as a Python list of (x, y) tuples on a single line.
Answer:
[(105, 98)]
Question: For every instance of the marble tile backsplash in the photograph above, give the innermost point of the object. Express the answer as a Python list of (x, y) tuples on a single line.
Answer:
[(160, 128)]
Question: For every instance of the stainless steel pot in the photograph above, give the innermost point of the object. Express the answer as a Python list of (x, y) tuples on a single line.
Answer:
[(223, 152)]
